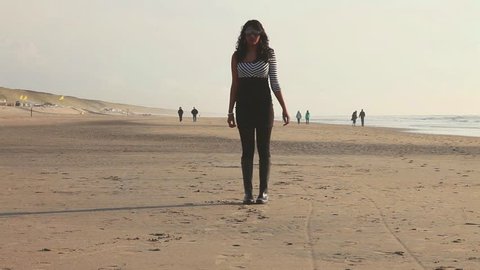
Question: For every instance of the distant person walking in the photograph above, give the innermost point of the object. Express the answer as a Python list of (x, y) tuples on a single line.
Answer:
[(194, 113), (253, 65), (180, 114), (354, 118), (299, 117), (362, 117), (307, 117)]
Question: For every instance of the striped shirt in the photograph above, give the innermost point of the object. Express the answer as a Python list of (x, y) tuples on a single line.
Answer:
[(261, 69)]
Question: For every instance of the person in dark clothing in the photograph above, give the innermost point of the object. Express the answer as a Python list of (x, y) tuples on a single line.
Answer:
[(253, 65), (362, 116), (299, 117), (194, 113), (354, 118), (307, 117), (180, 113)]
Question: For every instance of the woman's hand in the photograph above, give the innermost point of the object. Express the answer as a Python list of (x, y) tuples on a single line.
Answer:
[(286, 117), (231, 120)]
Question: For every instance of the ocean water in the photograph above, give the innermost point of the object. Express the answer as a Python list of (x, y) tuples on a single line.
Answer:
[(462, 125)]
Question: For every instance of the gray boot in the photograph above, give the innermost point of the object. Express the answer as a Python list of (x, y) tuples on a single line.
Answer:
[(247, 171), (264, 165)]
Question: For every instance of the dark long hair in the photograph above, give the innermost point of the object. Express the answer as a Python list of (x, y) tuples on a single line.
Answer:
[(263, 50)]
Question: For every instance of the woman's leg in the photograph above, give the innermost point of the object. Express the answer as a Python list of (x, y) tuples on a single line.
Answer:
[(247, 137), (263, 146)]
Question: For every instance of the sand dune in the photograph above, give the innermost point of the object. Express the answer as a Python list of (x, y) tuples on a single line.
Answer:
[(58, 104)]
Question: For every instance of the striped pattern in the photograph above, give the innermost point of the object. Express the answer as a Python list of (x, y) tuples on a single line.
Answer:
[(260, 69)]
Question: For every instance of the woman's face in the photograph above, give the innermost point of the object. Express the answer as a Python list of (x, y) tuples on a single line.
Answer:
[(252, 36)]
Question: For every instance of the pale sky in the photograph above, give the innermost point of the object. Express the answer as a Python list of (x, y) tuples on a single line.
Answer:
[(385, 56)]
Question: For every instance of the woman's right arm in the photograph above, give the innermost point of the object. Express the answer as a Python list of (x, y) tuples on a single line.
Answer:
[(233, 92)]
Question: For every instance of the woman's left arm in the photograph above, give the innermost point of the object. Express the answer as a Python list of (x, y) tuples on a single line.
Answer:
[(285, 116), (272, 73)]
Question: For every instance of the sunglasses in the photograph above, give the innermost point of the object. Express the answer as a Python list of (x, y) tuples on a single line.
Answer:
[(252, 32)]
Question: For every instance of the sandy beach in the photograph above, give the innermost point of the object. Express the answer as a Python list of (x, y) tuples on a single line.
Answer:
[(147, 192)]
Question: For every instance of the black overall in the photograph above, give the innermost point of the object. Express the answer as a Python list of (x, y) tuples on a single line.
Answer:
[(254, 115)]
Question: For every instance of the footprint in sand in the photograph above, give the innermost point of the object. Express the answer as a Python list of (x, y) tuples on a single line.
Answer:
[(112, 267), (448, 268), (232, 258), (281, 183), (163, 237), (260, 214), (113, 178)]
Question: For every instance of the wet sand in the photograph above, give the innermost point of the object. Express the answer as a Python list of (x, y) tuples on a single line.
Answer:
[(131, 192)]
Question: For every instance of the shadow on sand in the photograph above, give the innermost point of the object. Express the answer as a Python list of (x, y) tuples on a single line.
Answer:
[(126, 208)]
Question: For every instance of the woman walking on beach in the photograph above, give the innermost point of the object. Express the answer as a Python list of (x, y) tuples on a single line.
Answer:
[(253, 64)]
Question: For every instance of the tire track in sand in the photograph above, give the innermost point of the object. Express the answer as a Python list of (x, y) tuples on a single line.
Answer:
[(382, 216), (308, 231), (308, 237)]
